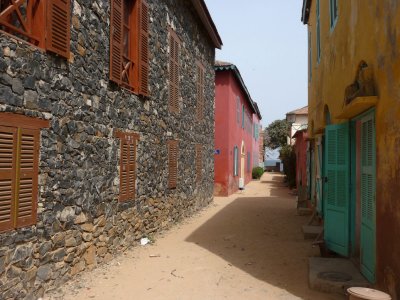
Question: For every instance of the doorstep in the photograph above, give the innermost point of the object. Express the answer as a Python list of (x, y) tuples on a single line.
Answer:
[(334, 275)]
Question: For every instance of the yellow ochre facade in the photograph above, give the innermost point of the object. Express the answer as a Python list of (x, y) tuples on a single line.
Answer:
[(356, 83)]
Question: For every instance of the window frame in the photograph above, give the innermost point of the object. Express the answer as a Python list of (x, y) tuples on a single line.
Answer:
[(128, 140), (20, 126), (175, 45), (318, 31), (235, 161), (173, 158), (46, 26), (333, 13)]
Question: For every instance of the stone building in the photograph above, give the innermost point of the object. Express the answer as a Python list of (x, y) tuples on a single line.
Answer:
[(106, 130)]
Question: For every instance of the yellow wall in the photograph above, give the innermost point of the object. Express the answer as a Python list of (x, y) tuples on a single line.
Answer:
[(366, 30)]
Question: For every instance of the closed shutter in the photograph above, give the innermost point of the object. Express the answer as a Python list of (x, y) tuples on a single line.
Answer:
[(337, 194), (144, 49), (27, 182), (116, 41), (368, 198), (124, 171), (8, 142), (199, 162), (172, 164), (58, 27), (174, 72), (132, 169)]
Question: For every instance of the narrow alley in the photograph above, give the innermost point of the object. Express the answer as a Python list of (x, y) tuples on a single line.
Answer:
[(246, 246)]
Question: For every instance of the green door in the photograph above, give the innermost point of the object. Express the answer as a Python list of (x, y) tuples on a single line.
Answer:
[(336, 188), (368, 204)]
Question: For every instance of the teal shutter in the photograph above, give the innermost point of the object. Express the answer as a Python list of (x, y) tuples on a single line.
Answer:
[(336, 188), (319, 177), (368, 205)]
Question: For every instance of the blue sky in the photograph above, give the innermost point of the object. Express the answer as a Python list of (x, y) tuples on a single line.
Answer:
[(267, 42)]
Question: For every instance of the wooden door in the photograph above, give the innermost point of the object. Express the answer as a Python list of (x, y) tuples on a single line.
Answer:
[(336, 188)]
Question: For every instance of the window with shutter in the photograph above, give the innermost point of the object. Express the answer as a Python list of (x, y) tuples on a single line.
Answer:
[(19, 161), (129, 39), (172, 164), (174, 49), (199, 162), (127, 171), (45, 24), (200, 91)]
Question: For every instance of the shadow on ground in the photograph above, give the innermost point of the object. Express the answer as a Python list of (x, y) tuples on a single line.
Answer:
[(261, 236)]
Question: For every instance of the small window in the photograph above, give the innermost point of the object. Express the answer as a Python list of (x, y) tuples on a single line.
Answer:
[(238, 109), (318, 33), (127, 171), (235, 161), (243, 116), (45, 24), (199, 162), (172, 164), (333, 12), (19, 166), (200, 91), (174, 50), (129, 29)]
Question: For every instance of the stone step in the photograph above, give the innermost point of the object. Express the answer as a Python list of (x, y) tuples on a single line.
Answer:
[(311, 232), (334, 275), (304, 211)]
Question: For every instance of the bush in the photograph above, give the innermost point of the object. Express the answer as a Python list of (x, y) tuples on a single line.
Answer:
[(257, 172), (288, 158)]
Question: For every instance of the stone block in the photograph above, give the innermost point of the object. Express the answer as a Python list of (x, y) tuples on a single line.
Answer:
[(44, 273), (90, 255)]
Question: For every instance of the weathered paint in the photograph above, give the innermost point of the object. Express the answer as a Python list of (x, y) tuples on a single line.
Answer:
[(229, 133), (300, 147), (366, 30)]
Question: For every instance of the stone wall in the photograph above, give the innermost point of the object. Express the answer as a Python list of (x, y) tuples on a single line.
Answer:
[(80, 221)]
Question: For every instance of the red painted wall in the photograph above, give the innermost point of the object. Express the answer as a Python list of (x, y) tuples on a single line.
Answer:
[(301, 159), (229, 133)]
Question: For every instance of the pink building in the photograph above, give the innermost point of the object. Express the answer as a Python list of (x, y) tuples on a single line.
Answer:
[(237, 126)]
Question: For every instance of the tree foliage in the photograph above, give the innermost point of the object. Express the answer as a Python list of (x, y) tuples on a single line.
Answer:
[(275, 134)]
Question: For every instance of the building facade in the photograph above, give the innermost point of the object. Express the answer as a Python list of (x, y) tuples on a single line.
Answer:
[(106, 131), (354, 63), (298, 120), (236, 130)]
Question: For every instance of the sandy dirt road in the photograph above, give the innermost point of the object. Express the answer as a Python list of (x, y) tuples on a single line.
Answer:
[(247, 246)]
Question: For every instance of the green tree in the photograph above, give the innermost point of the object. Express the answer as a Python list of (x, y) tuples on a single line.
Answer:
[(276, 133)]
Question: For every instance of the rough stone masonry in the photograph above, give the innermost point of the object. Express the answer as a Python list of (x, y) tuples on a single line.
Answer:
[(80, 221)]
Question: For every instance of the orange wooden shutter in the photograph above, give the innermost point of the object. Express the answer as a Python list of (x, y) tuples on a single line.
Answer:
[(174, 72), (144, 48), (199, 162), (172, 164), (58, 27), (8, 144), (27, 177), (132, 169), (116, 41), (124, 171)]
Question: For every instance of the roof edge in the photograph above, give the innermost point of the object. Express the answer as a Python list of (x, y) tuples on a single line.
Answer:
[(305, 13), (235, 70), (205, 17)]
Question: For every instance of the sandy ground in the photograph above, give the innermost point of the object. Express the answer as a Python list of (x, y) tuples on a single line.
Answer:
[(247, 246)]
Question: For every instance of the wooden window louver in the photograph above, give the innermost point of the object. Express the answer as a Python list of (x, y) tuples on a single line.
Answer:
[(200, 91), (199, 162), (172, 164), (45, 24), (19, 165), (127, 165), (174, 49), (129, 39)]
